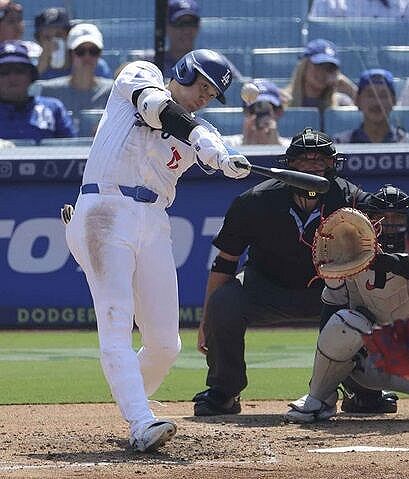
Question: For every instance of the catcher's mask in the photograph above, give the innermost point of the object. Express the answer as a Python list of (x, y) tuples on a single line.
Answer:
[(313, 145), (392, 205)]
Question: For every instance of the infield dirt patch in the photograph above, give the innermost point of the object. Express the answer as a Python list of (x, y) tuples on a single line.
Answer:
[(90, 441)]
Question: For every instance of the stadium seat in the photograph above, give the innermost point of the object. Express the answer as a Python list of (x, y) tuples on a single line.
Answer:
[(254, 8), (400, 117), (86, 9), (126, 33), (395, 59), (228, 120), (89, 120), (341, 119), (355, 60), (360, 32), (295, 119), (275, 62), (249, 32)]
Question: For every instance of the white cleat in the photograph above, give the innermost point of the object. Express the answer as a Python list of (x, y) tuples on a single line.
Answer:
[(154, 436), (308, 409)]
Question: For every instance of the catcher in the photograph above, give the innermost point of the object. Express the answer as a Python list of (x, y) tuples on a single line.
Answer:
[(366, 298)]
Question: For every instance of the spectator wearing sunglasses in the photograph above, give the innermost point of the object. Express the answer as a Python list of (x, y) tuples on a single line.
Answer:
[(260, 119), (12, 26), (82, 89), (23, 116), (182, 30), (52, 26)]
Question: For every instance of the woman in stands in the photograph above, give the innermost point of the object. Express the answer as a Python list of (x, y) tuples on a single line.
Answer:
[(317, 80)]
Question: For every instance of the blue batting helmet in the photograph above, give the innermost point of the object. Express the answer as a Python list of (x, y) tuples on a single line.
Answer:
[(210, 64)]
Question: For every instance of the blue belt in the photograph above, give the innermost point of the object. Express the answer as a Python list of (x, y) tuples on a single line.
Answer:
[(138, 193)]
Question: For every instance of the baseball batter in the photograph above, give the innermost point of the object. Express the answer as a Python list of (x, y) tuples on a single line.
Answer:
[(120, 231), (371, 299)]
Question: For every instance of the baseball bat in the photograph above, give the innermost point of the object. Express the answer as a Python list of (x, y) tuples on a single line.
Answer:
[(305, 181)]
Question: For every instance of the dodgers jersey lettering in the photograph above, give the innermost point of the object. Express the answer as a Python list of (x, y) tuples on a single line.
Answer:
[(126, 151)]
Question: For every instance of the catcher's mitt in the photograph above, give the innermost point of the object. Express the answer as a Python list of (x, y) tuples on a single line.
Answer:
[(389, 348), (345, 243)]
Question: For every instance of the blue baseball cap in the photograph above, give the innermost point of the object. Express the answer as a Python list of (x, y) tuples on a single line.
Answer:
[(14, 51), (376, 76), (179, 8), (268, 92), (322, 51)]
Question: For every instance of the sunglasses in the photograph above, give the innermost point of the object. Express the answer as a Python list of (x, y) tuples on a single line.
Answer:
[(82, 51), (194, 23), (10, 69)]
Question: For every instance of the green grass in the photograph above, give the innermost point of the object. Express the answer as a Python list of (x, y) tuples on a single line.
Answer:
[(63, 367)]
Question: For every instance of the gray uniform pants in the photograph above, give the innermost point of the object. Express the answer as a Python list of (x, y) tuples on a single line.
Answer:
[(249, 299)]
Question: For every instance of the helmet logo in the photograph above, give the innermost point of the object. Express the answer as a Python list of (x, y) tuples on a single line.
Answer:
[(225, 79)]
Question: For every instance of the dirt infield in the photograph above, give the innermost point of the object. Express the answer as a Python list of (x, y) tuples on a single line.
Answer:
[(89, 441)]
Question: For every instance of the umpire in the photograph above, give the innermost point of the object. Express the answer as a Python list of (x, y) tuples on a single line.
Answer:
[(276, 223)]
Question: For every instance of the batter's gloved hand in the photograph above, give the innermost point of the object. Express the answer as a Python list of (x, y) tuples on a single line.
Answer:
[(236, 166), (66, 213)]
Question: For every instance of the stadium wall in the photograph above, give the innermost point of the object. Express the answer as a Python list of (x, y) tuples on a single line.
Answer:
[(41, 286)]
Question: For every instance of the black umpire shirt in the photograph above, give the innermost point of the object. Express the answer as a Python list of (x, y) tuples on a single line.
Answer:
[(277, 232)]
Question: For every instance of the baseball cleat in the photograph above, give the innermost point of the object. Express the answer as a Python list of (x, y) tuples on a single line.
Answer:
[(307, 409), (154, 436), (213, 403)]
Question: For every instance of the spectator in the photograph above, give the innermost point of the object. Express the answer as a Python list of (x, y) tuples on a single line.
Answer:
[(260, 119), (277, 224), (360, 8), (51, 29), (376, 98), (81, 90), (182, 30), (23, 116), (12, 26), (317, 80)]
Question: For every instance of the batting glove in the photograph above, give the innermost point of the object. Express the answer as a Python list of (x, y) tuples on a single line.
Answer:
[(236, 166)]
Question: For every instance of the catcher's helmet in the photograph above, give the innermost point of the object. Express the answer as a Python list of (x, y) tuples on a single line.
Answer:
[(390, 199), (210, 64)]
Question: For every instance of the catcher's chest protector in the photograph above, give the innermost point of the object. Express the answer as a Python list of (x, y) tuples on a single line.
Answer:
[(387, 304)]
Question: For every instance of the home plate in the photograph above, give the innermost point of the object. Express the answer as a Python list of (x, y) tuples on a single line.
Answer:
[(360, 449)]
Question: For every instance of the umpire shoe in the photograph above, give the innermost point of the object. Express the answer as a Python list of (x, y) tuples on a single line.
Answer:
[(382, 403), (154, 436), (213, 402)]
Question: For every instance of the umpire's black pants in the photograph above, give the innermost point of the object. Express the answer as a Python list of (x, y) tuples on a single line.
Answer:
[(249, 299)]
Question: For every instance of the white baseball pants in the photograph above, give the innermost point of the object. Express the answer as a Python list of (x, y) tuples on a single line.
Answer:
[(124, 248)]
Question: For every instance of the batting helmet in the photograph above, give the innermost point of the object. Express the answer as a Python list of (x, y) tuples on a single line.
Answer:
[(210, 64), (390, 199)]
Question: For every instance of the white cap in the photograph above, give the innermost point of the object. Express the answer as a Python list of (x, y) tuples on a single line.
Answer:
[(82, 33)]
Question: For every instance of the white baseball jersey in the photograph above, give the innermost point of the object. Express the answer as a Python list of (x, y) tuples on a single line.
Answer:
[(126, 151), (386, 305)]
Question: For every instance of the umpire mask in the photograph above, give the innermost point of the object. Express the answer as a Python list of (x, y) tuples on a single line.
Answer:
[(315, 148)]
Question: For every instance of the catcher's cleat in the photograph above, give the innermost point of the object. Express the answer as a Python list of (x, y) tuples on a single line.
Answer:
[(153, 436), (308, 409), (381, 403), (213, 403)]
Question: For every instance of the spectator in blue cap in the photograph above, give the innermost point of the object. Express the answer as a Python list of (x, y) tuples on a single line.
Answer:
[(317, 80), (182, 30), (260, 118), (23, 116), (376, 98)]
